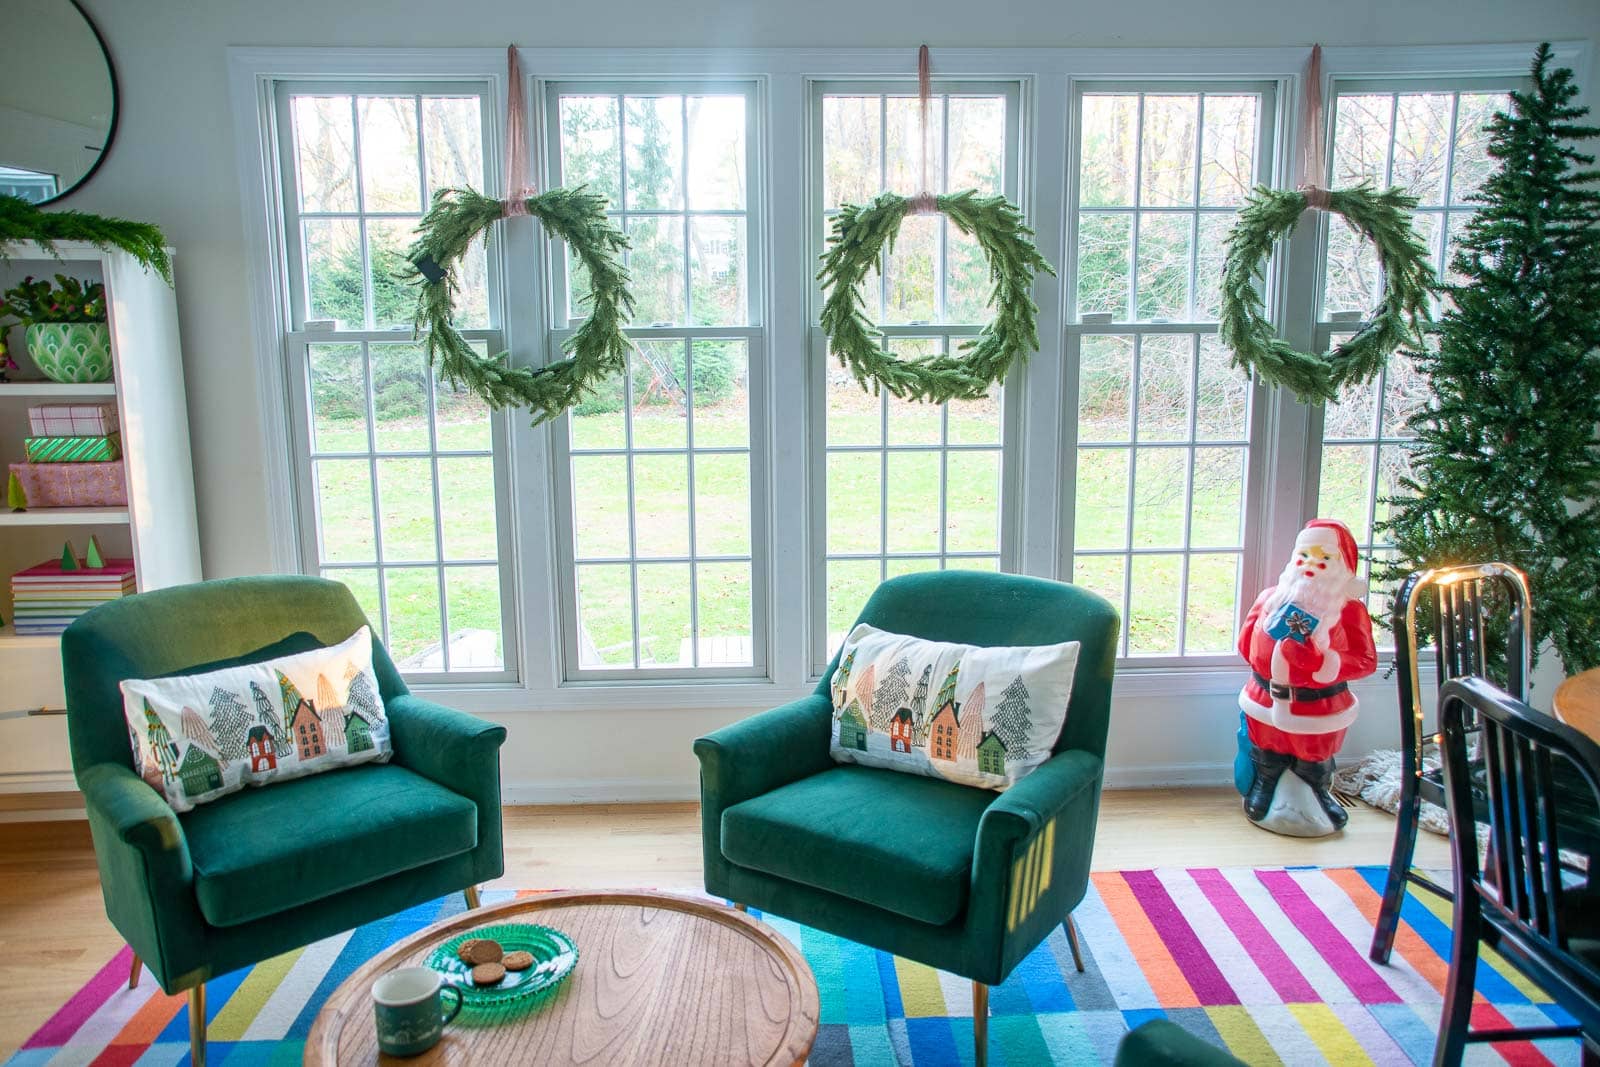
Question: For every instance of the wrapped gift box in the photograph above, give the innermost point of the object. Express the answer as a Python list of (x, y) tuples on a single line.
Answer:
[(73, 449), (73, 420), (73, 485)]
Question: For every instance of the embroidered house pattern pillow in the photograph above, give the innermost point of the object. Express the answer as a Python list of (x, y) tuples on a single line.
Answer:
[(199, 737), (979, 716)]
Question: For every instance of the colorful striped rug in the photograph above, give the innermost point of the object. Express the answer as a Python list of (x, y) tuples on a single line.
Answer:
[(1271, 964)]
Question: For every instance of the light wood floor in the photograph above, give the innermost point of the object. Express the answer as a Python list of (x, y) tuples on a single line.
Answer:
[(54, 935)]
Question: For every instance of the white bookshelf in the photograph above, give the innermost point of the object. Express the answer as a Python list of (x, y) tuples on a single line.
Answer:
[(158, 528)]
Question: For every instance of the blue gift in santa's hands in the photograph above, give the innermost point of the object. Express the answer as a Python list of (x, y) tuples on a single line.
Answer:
[(1292, 622)]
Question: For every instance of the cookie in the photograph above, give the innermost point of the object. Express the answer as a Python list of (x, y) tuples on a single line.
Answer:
[(480, 950), (488, 974), (518, 961)]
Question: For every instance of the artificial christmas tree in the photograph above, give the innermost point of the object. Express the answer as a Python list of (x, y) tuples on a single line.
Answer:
[(1505, 464)]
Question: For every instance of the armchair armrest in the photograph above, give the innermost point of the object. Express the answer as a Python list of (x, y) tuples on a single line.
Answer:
[(752, 757), (1031, 865), (132, 815), (445, 745), (462, 753), (761, 753), (1025, 808), (146, 876)]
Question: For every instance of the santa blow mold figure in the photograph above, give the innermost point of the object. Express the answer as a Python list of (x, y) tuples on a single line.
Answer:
[(1305, 640)]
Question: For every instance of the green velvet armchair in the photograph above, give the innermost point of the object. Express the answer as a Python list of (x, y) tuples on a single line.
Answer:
[(966, 880), (266, 870)]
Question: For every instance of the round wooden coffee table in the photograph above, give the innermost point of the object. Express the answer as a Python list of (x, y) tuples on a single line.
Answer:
[(660, 980)]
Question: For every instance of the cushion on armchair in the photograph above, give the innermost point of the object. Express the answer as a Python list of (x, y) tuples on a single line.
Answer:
[(200, 735), (899, 842), (266, 851), (982, 716)]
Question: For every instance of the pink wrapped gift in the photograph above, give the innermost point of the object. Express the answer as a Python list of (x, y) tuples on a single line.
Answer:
[(73, 485), (73, 420)]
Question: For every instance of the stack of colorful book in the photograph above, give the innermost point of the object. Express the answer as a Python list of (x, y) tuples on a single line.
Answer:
[(46, 598)]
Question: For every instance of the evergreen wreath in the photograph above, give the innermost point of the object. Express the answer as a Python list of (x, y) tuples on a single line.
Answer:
[(1384, 218), (597, 348), (863, 234)]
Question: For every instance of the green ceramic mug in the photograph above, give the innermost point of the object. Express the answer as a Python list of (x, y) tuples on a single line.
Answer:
[(410, 1014)]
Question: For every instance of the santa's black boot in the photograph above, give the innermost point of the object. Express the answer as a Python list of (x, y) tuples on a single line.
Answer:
[(1319, 776), (1269, 768)]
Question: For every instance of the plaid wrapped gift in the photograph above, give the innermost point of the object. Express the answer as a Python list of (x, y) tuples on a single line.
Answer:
[(73, 420), (73, 449), (73, 485)]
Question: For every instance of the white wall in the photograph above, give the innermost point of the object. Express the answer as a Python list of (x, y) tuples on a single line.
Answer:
[(173, 163)]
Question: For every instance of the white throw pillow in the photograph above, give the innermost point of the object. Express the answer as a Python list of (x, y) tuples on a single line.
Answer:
[(979, 716), (197, 737)]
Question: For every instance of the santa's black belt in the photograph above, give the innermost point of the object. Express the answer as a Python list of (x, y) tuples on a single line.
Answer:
[(1298, 694)]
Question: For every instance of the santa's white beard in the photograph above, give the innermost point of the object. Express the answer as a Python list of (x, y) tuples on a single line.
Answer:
[(1323, 595)]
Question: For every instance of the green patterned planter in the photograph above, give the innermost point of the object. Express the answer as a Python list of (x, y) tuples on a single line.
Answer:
[(71, 352)]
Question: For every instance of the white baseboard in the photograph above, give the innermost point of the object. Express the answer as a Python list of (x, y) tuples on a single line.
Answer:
[(1157, 775), (600, 791)]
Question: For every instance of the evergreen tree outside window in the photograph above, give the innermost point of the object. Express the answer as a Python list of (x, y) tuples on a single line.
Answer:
[(659, 483), (400, 478), (909, 486), (1505, 464), (1162, 441), (1432, 141)]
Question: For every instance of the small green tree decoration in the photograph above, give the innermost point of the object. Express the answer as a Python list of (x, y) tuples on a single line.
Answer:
[(16, 497), (1506, 462)]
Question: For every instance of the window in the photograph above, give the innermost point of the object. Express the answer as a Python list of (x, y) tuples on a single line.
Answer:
[(659, 494), (1164, 425), (1433, 143), (720, 511), (909, 486), (384, 446)]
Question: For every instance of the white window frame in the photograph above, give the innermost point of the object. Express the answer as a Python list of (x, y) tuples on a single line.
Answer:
[(821, 360), (753, 334), (299, 341), (1269, 153), (1330, 324), (1047, 76)]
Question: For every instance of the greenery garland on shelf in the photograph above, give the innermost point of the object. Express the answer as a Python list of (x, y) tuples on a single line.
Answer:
[(863, 234), (597, 348), (21, 220), (1384, 218)]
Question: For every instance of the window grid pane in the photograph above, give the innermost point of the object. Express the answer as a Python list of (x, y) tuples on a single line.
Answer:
[(1161, 177), (660, 467), (910, 486), (385, 444), (382, 458), (1163, 422), (1433, 143)]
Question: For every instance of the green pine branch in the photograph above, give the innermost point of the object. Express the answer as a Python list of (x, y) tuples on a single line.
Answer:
[(23, 221)]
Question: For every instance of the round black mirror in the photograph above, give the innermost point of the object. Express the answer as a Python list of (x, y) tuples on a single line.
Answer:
[(58, 98)]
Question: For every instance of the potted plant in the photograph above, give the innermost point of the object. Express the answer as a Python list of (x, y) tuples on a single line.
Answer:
[(65, 325)]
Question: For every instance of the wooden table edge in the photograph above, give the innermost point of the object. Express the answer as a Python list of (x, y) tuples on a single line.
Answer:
[(797, 1046)]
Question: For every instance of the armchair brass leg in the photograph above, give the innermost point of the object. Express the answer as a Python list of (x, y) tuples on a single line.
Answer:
[(197, 1026), (980, 1024), (133, 971), (1072, 939), (471, 893)]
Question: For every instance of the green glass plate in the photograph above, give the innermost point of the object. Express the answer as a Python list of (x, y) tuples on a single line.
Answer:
[(554, 957)]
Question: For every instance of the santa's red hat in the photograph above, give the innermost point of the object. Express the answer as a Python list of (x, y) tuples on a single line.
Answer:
[(1342, 537)]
